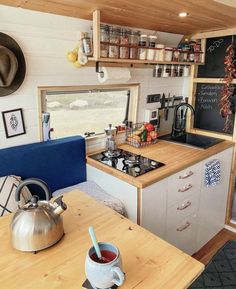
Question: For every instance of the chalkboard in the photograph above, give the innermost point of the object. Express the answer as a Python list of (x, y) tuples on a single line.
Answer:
[(207, 110), (214, 59)]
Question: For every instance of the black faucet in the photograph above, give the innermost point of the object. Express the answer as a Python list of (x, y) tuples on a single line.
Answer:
[(179, 122)]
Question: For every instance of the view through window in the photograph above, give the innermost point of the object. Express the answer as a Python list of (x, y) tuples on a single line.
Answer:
[(73, 113)]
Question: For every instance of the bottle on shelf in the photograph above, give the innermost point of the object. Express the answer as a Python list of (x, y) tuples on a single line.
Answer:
[(197, 51), (160, 52), (124, 39), (168, 53), (86, 44), (114, 36), (134, 41), (104, 37), (152, 44), (143, 43)]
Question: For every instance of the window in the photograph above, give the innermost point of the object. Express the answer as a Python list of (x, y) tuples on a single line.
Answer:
[(74, 112)]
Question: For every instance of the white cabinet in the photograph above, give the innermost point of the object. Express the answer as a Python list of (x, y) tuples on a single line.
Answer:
[(117, 188), (153, 208), (212, 209), (179, 209)]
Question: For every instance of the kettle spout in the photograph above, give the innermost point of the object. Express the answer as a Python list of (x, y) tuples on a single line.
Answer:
[(59, 206)]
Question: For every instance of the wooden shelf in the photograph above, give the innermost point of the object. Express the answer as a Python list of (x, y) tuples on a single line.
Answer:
[(112, 61), (138, 61)]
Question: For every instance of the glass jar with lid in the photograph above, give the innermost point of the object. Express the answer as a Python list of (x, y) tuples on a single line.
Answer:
[(168, 53), (86, 44), (160, 52), (152, 44), (176, 54), (104, 37), (114, 36), (134, 41), (142, 47), (124, 40)]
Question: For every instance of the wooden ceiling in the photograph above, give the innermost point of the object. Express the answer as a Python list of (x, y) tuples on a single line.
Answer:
[(159, 15)]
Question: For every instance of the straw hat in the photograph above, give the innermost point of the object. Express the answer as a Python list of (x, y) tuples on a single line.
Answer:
[(12, 65)]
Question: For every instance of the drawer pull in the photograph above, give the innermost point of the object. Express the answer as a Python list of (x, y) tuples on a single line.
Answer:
[(184, 227), (184, 206), (185, 188), (190, 173)]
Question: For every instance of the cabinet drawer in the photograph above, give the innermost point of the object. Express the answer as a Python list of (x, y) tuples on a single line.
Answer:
[(180, 210), (183, 235), (183, 184)]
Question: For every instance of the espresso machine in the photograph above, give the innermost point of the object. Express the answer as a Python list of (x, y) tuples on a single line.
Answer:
[(110, 141)]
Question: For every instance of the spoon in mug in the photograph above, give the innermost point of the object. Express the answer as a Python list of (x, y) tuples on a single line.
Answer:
[(96, 247)]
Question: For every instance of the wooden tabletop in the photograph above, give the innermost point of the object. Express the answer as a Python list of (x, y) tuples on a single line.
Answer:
[(176, 157), (148, 261)]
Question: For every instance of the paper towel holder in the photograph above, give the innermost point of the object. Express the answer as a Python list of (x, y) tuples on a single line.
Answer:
[(98, 70)]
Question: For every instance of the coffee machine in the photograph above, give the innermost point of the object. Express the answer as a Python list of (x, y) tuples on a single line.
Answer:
[(110, 141)]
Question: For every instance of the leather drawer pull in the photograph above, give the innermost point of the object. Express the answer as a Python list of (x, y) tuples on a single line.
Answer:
[(184, 206), (190, 173), (185, 188), (184, 227)]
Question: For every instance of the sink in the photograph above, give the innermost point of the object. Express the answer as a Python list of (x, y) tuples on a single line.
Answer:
[(191, 139)]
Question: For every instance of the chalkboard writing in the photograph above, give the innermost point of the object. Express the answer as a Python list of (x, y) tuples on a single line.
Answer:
[(207, 110), (214, 59)]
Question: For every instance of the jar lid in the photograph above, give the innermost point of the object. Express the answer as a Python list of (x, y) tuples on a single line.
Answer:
[(143, 35), (152, 36), (160, 45), (169, 48)]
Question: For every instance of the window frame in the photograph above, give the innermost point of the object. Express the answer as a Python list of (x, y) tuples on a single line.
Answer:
[(132, 101)]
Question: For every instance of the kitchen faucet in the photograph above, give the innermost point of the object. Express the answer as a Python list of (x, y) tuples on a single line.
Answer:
[(179, 122)]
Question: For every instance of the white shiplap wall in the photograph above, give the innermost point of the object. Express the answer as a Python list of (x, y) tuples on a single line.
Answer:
[(45, 39)]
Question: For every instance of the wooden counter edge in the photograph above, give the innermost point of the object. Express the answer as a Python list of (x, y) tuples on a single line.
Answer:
[(159, 176)]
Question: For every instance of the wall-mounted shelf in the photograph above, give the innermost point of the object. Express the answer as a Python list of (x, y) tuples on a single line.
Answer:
[(137, 61), (96, 48)]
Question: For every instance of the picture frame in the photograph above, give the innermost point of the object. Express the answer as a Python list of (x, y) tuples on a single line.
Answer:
[(13, 122)]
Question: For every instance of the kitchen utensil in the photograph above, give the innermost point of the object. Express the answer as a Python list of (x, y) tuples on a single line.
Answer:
[(110, 142), (94, 241), (38, 224), (167, 109)]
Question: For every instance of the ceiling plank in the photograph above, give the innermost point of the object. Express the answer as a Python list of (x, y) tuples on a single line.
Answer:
[(155, 15)]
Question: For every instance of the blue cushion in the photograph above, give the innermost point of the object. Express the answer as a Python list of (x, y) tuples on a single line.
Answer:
[(60, 163)]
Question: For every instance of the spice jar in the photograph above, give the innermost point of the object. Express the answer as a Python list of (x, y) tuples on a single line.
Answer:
[(160, 52), (124, 40), (174, 71), (176, 54), (86, 44), (180, 70), (168, 53), (104, 37), (142, 43), (197, 51), (186, 71), (134, 40), (158, 70), (191, 51), (167, 70), (152, 44), (114, 36)]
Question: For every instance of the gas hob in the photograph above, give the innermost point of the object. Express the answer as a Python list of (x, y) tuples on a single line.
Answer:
[(127, 162)]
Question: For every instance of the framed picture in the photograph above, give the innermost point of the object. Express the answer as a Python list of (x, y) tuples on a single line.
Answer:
[(13, 122)]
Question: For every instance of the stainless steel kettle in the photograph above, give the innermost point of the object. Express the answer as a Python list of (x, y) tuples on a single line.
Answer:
[(37, 225)]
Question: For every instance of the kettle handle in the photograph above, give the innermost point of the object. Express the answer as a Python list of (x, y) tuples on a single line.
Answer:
[(33, 181)]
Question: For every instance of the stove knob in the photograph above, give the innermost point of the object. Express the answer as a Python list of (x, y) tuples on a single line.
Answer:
[(137, 169), (153, 163)]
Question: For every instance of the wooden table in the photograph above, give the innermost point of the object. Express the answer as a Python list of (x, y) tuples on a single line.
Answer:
[(149, 262)]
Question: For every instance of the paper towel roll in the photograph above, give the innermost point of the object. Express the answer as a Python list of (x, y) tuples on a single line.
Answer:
[(114, 75)]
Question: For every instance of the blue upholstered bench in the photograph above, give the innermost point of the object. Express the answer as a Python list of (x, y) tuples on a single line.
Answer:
[(60, 163)]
